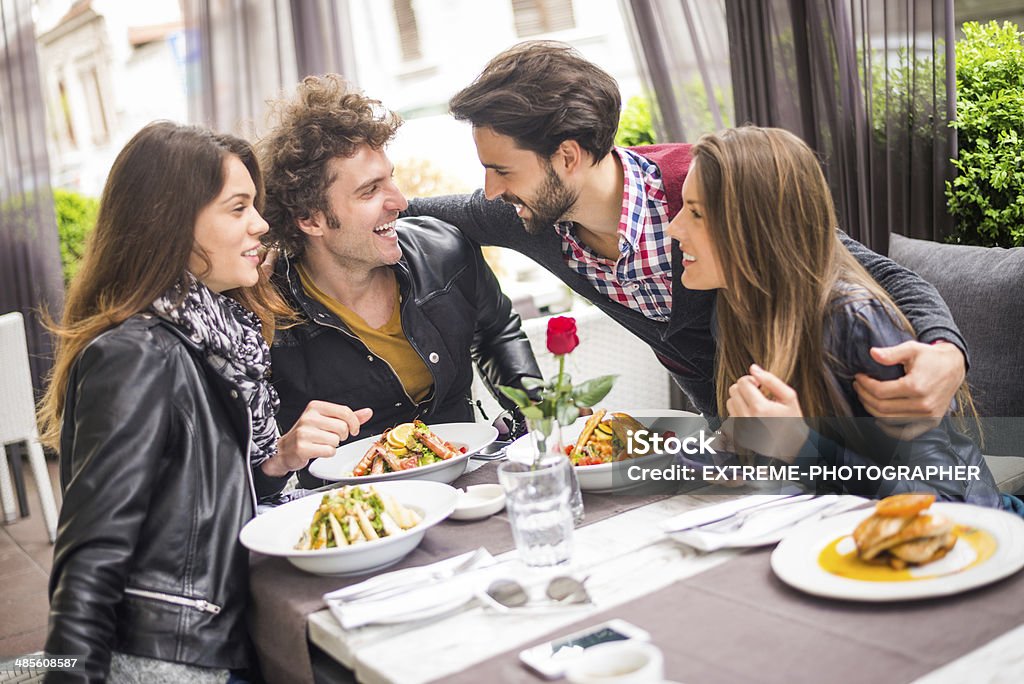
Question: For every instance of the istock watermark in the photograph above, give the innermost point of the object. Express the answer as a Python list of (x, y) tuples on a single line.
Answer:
[(643, 442)]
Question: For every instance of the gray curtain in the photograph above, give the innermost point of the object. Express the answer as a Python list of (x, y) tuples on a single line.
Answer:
[(30, 269), (866, 84), (241, 53), (683, 50)]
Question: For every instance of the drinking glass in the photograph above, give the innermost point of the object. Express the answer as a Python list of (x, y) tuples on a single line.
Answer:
[(537, 498)]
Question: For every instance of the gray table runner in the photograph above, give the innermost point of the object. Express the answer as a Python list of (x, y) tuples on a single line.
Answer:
[(738, 623), (282, 596)]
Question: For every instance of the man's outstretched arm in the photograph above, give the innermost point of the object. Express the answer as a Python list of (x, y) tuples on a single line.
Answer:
[(482, 221)]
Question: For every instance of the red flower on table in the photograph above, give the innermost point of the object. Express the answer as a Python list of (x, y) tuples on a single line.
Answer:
[(559, 398), (562, 337)]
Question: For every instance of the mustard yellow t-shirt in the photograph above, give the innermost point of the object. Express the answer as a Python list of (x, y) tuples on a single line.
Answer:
[(388, 342)]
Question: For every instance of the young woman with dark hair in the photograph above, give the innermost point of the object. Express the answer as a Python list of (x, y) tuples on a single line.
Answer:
[(161, 411)]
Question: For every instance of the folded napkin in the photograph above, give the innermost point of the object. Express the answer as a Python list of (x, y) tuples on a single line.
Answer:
[(707, 514), (426, 595), (764, 526)]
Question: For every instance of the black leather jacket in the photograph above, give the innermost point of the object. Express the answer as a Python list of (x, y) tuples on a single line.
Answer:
[(453, 313), (858, 323), (154, 469)]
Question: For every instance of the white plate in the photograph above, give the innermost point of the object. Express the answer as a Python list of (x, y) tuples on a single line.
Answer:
[(276, 532), (795, 560), (473, 436), (607, 477)]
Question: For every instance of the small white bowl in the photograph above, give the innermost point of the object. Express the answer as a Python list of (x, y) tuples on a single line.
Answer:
[(478, 502)]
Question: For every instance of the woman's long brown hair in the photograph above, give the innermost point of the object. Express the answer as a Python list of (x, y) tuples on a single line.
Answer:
[(774, 228), (142, 242)]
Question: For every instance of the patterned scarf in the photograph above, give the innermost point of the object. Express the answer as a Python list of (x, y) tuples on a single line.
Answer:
[(231, 338)]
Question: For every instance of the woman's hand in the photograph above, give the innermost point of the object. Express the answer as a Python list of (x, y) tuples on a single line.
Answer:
[(763, 395), (316, 434)]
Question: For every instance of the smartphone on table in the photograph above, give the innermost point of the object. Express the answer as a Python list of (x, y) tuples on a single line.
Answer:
[(551, 659)]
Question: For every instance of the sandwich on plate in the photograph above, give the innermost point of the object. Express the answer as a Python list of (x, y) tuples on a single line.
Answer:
[(902, 532)]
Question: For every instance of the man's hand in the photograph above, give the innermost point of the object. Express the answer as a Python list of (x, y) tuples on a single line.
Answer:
[(764, 395), (911, 405), (316, 434)]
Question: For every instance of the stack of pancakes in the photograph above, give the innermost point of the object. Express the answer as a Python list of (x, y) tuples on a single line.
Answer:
[(901, 532)]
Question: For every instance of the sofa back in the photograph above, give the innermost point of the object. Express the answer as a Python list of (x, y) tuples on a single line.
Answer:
[(984, 288)]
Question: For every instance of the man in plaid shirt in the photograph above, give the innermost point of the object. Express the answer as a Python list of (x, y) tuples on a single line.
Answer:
[(544, 120)]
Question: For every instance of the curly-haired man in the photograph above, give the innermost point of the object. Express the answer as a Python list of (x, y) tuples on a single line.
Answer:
[(394, 313)]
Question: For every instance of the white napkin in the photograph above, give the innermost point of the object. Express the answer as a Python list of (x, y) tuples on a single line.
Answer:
[(706, 514), (426, 596), (767, 526)]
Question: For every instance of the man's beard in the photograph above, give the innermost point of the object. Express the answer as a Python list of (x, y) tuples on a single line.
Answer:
[(552, 203)]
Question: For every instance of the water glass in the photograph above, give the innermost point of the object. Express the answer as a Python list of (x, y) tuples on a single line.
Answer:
[(537, 498)]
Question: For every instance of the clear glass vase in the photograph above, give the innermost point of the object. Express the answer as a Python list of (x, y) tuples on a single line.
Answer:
[(546, 439), (537, 500)]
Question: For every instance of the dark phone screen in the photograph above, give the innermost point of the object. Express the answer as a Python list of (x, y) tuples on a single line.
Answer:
[(587, 640)]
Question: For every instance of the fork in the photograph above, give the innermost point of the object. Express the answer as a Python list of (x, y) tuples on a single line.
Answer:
[(414, 580), (784, 500), (733, 523), (821, 513)]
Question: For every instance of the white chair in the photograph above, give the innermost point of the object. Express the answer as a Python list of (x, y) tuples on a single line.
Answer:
[(18, 420), (606, 348)]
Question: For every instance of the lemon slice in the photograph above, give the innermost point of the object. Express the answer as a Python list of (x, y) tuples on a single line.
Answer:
[(399, 436)]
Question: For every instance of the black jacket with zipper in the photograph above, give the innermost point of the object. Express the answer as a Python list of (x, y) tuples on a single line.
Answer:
[(154, 469), (453, 313)]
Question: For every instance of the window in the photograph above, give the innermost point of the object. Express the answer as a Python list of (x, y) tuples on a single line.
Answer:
[(534, 17), (65, 109), (94, 98), (408, 30)]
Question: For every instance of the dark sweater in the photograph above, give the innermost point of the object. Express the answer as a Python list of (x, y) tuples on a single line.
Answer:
[(684, 344)]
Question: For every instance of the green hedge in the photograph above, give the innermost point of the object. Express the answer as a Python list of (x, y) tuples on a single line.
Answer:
[(76, 216), (987, 196), (635, 124)]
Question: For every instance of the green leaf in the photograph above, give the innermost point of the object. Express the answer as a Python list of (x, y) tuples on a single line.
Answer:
[(517, 395), (531, 412), (532, 383), (593, 390), (567, 413)]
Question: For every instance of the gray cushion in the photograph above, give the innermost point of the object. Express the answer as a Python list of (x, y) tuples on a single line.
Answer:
[(984, 288), (1008, 472)]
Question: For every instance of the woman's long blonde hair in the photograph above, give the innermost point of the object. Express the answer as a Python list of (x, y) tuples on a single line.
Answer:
[(140, 247), (773, 225)]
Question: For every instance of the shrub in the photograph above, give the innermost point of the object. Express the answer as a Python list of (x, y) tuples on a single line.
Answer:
[(635, 124), (76, 216), (987, 197)]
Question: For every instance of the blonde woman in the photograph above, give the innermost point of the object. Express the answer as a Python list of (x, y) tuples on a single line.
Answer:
[(796, 315)]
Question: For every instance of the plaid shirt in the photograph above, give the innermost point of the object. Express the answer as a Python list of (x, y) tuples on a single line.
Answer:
[(641, 278)]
